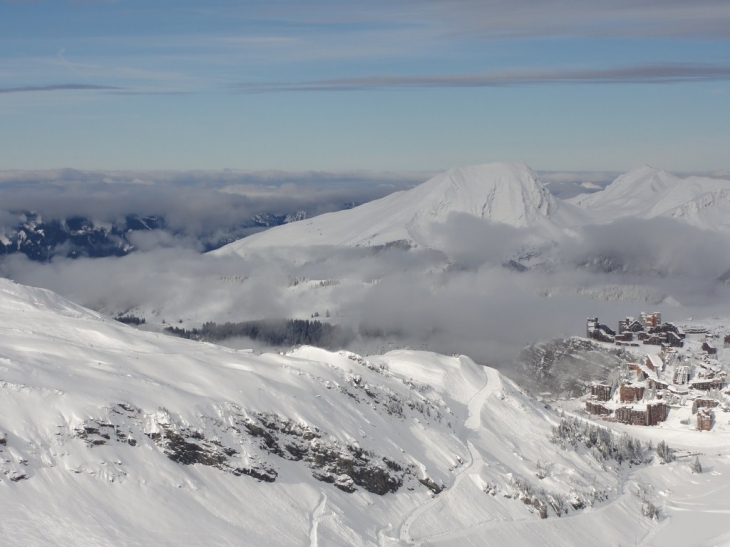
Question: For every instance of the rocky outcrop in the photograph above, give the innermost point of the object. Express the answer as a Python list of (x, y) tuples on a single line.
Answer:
[(240, 443)]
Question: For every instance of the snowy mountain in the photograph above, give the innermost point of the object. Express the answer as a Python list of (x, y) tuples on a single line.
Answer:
[(651, 193), (710, 210), (502, 193), (41, 239), (110, 435), (635, 194)]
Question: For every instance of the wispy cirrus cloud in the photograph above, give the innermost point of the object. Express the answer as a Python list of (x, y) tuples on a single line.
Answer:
[(661, 73), (607, 18), (58, 87)]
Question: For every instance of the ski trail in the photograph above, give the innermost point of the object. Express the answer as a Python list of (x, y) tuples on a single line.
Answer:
[(472, 423), (316, 515)]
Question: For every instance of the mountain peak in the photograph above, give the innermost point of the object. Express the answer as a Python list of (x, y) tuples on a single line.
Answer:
[(504, 193), (508, 193), (632, 193)]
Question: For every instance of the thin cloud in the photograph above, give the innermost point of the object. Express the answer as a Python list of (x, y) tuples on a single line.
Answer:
[(661, 73), (608, 18), (59, 87)]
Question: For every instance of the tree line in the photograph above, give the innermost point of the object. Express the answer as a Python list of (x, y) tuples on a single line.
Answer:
[(289, 332)]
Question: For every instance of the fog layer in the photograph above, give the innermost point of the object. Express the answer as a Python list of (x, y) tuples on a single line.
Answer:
[(464, 297)]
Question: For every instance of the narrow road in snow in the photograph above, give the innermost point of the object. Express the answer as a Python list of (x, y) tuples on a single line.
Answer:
[(472, 423), (316, 515)]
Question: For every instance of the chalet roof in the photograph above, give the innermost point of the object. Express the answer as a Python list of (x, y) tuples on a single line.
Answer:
[(701, 381), (650, 375), (656, 361)]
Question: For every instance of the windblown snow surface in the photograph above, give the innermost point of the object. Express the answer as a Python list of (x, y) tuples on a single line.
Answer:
[(112, 436)]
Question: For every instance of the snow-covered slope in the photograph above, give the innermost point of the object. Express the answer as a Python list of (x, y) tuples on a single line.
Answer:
[(647, 192), (502, 193), (111, 436), (632, 194), (709, 211)]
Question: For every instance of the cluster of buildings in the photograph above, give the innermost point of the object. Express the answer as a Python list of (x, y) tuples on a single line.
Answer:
[(647, 329), (633, 413), (659, 380)]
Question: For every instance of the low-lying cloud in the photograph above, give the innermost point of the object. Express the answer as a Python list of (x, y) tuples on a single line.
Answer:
[(199, 207), (460, 299)]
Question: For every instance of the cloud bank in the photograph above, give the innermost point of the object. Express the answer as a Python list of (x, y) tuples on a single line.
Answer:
[(461, 299), (198, 207)]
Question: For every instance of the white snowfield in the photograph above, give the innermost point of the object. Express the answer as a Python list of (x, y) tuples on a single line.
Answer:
[(112, 436), (647, 192), (502, 193)]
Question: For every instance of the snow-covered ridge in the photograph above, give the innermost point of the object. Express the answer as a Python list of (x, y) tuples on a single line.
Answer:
[(116, 435), (647, 192), (510, 194), (506, 194)]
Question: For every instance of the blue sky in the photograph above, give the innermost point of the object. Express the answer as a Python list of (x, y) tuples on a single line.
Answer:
[(369, 84)]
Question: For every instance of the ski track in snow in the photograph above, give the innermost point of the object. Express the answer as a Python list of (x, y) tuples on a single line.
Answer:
[(316, 516), (472, 423)]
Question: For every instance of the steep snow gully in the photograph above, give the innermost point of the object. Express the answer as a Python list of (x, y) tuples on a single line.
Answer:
[(475, 404)]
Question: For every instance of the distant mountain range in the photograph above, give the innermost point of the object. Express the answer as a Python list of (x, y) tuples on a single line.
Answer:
[(651, 193), (501, 193), (507, 194), (42, 239)]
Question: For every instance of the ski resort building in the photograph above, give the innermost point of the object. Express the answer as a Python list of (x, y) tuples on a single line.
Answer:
[(650, 330), (710, 349), (629, 393), (598, 331), (597, 409), (659, 378), (681, 375), (654, 383), (651, 319), (705, 419), (656, 413), (701, 402), (654, 363), (652, 415), (601, 392), (675, 340), (630, 325), (706, 384)]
